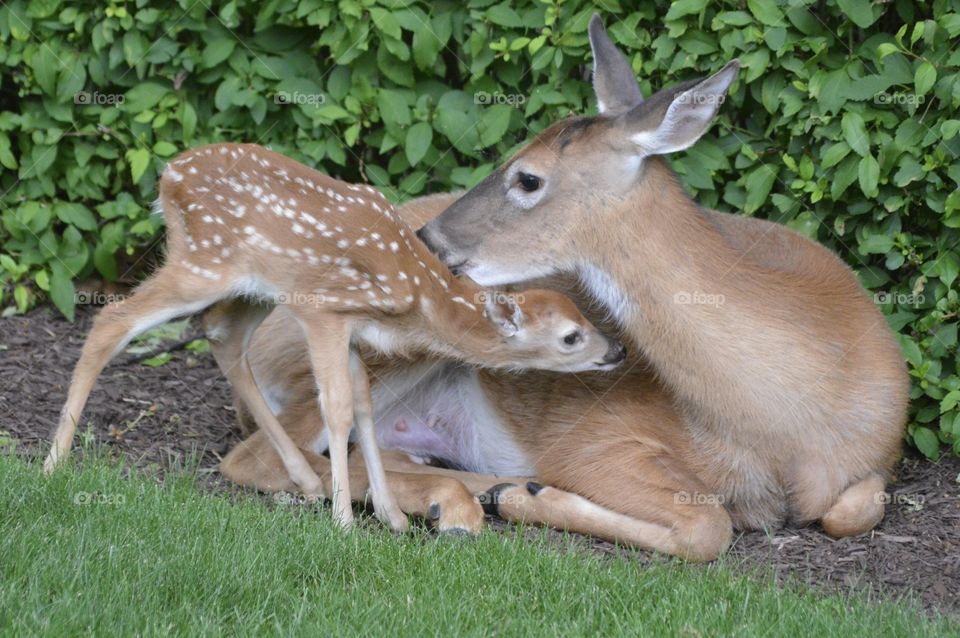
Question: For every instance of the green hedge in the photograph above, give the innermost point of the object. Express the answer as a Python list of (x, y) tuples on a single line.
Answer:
[(843, 124)]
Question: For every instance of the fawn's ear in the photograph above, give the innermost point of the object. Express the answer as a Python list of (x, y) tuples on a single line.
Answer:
[(613, 81), (674, 119), (504, 312)]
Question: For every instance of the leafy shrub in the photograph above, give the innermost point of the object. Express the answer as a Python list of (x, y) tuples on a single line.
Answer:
[(842, 125)]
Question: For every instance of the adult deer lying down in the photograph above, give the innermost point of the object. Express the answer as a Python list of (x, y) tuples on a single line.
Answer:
[(785, 398), (248, 228), (788, 380)]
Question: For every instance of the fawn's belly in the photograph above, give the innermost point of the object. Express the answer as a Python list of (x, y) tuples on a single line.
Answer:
[(443, 416)]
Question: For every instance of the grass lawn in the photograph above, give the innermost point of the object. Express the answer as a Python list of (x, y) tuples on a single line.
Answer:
[(149, 558)]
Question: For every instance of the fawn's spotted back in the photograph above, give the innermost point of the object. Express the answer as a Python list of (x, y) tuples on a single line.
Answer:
[(247, 210)]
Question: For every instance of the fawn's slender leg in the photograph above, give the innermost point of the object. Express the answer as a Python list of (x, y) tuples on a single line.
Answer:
[(168, 294), (230, 325), (384, 504), (328, 339)]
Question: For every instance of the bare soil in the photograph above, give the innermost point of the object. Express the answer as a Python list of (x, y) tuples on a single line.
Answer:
[(180, 412)]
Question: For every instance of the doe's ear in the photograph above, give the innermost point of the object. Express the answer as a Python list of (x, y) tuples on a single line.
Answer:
[(687, 116), (613, 81), (504, 312)]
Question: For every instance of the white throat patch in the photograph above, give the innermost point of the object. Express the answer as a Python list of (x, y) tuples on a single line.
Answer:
[(607, 293)]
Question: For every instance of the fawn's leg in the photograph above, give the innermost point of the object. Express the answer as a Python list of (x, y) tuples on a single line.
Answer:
[(328, 340), (230, 325), (384, 503), (169, 293)]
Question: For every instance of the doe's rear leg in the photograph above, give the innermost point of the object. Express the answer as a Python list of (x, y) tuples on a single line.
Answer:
[(858, 509), (171, 292)]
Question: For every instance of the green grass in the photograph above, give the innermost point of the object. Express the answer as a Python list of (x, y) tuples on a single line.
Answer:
[(151, 558)]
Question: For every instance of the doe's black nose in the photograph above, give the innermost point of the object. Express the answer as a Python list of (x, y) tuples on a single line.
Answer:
[(422, 236)]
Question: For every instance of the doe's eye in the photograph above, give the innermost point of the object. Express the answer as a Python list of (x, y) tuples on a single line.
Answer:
[(573, 338), (528, 182)]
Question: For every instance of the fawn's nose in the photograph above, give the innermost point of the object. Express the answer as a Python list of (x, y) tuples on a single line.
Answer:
[(616, 352)]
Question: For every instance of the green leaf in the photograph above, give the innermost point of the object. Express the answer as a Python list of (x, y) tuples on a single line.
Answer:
[(161, 359), (767, 12), (393, 107), (139, 159), (684, 7), (419, 138), (949, 267), (949, 128), (62, 292), (188, 120), (927, 442), (910, 171), (833, 155), (494, 122), (217, 51), (164, 149), (75, 214), (504, 15), (758, 185), (386, 22), (886, 49), (45, 66), (855, 133), (875, 245), (105, 262), (426, 47), (950, 401), (144, 96), (869, 174), (860, 12), (22, 297), (924, 78)]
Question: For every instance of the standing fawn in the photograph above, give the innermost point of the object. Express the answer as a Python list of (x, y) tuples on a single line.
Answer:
[(248, 228)]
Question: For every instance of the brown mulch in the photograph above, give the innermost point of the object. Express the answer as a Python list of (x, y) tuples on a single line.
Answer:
[(168, 415)]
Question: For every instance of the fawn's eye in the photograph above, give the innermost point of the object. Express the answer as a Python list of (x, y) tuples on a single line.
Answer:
[(528, 182), (573, 338)]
